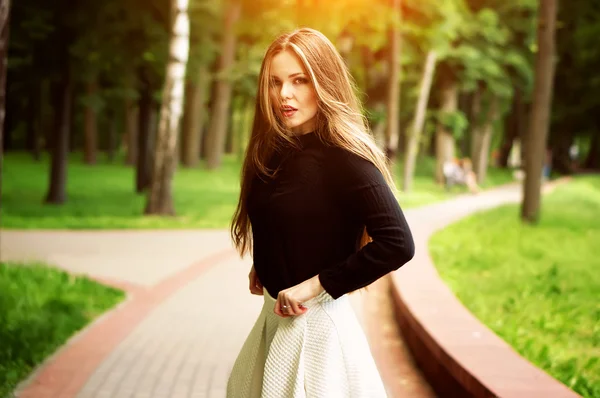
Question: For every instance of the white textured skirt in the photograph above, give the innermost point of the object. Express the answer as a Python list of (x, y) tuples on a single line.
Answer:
[(320, 354)]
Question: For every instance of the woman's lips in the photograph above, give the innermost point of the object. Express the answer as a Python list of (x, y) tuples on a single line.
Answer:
[(289, 111)]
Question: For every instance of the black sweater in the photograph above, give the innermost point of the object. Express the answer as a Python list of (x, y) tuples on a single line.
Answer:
[(309, 219)]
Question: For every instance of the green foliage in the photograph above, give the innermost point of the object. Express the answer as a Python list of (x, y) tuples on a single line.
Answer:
[(577, 80), (539, 296), (40, 308), (456, 122)]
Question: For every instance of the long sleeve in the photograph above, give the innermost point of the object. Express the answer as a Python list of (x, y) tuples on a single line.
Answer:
[(367, 198)]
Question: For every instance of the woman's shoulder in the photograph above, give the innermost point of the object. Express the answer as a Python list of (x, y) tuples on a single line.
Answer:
[(348, 167), (344, 158)]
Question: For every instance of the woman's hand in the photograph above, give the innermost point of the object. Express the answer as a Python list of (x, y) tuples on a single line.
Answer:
[(289, 301), (255, 286)]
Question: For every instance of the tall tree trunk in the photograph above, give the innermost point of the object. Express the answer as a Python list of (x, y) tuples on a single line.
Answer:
[(246, 124), (542, 100), (111, 142), (35, 121), (160, 198), (131, 132), (476, 122), (193, 118), (465, 101), (484, 139), (57, 193), (145, 120), (512, 128), (444, 138), (232, 127), (90, 147), (393, 92), (416, 128), (592, 160), (219, 114), (4, 27)]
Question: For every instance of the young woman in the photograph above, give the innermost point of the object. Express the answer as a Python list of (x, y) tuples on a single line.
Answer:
[(318, 212)]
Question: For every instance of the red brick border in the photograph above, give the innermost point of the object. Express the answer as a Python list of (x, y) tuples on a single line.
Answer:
[(64, 374), (457, 353)]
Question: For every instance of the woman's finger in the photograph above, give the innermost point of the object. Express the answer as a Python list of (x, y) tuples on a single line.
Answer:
[(279, 306), (252, 283), (255, 285), (259, 286), (295, 306), (279, 310)]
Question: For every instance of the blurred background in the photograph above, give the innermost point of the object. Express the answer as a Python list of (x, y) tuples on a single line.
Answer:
[(449, 81), (135, 114)]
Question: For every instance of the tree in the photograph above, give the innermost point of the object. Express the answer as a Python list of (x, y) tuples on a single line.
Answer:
[(416, 127), (203, 26), (62, 94), (160, 200), (539, 121), (217, 130), (4, 27), (393, 94)]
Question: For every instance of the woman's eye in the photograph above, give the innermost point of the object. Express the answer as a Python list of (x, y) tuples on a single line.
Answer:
[(274, 83), (300, 81)]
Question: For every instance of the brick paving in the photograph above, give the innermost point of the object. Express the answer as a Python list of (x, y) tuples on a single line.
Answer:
[(189, 311)]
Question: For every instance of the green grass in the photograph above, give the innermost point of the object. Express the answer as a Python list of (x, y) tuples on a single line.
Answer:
[(103, 196), (535, 286), (40, 308)]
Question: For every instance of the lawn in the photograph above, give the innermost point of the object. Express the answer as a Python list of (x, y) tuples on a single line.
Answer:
[(102, 196), (537, 287), (40, 308)]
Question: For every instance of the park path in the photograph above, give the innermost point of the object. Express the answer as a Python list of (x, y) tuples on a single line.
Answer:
[(188, 309)]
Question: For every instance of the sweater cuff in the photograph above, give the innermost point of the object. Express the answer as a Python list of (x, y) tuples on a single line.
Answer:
[(330, 287)]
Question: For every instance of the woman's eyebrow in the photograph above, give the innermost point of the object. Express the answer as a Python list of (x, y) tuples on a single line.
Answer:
[(292, 75)]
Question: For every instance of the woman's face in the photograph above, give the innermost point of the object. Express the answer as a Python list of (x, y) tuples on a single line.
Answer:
[(291, 87)]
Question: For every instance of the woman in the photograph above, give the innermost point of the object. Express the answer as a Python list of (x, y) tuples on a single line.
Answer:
[(317, 208)]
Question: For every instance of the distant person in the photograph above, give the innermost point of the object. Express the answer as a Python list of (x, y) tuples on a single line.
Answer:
[(317, 211), (574, 156), (460, 172), (547, 168), (514, 157)]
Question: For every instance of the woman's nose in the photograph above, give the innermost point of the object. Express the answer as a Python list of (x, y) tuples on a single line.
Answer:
[(286, 91)]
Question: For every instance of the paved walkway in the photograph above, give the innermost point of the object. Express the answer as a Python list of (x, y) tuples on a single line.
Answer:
[(189, 310)]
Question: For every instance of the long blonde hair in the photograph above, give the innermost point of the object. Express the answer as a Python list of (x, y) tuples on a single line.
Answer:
[(340, 120)]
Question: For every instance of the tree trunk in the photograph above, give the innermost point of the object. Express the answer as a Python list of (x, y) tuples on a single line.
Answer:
[(146, 109), (4, 28), (217, 131), (232, 127), (111, 143), (160, 198), (476, 122), (57, 193), (193, 119), (246, 124), (416, 128), (592, 160), (444, 140), (393, 93), (512, 128), (90, 146), (542, 99), (484, 139), (465, 101), (131, 132), (34, 123)]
